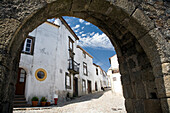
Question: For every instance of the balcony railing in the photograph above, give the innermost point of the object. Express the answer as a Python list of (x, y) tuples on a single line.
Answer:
[(73, 66)]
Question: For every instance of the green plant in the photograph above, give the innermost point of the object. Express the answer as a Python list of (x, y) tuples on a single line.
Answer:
[(43, 99), (35, 98)]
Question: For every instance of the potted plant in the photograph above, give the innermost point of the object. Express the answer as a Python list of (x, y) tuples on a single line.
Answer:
[(43, 101), (35, 101), (48, 103)]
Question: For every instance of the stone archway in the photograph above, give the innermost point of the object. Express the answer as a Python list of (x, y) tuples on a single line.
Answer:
[(136, 30)]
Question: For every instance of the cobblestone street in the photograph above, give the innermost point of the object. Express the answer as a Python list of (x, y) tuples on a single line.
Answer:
[(101, 102)]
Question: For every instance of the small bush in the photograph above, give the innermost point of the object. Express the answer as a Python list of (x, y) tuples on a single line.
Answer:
[(35, 98), (43, 99)]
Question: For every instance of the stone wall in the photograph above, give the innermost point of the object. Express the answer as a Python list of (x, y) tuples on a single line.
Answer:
[(138, 29)]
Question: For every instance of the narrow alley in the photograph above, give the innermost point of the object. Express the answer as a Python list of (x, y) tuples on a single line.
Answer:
[(101, 102)]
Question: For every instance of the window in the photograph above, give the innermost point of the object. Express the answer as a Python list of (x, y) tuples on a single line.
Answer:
[(115, 71), (67, 80), (22, 75), (114, 78), (84, 54), (96, 71), (84, 68), (28, 45), (83, 85), (40, 74), (70, 44)]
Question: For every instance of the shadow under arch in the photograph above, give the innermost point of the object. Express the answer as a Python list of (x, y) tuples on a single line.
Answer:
[(139, 58)]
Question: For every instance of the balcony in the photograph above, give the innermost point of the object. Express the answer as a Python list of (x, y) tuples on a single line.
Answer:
[(73, 66)]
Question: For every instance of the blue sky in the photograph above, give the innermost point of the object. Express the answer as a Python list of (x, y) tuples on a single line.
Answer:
[(93, 40)]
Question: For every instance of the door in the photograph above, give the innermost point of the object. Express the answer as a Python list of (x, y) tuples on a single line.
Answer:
[(96, 86), (89, 86), (75, 87), (20, 85)]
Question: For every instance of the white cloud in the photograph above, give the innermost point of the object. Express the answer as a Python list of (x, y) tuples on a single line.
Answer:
[(91, 34), (99, 63), (83, 35), (87, 23), (81, 32), (57, 22), (75, 27), (82, 28), (76, 30), (81, 20), (96, 41)]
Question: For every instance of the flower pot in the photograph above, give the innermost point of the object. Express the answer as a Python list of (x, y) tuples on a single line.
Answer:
[(34, 103), (43, 103), (48, 103)]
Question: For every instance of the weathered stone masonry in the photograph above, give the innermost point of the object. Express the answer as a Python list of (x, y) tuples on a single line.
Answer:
[(139, 31)]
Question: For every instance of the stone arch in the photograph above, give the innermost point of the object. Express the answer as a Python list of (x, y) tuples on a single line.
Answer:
[(141, 47)]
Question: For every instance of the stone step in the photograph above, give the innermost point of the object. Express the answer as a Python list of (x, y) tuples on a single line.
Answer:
[(20, 101), (19, 96), (15, 99), (21, 105)]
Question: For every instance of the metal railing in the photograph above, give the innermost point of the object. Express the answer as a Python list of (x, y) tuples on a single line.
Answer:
[(73, 66)]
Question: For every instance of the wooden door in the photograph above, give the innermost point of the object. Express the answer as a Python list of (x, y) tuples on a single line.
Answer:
[(89, 86), (20, 85), (75, 87)]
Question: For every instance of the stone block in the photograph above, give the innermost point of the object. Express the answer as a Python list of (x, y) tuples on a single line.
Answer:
[(136, 76), (163, 86), (123, 68), (165, 105), (97, 5), (167, 85), (128, 92), (131, 63), (147, 75), (129, 7), (143, 19), (134, 27), (152, 106), (129, 105), (125, 79), (140, 90), (78, 5), (166, 68), (150, 88), (139, 106)]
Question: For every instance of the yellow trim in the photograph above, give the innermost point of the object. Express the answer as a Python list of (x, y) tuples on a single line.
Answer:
[(40, 69)]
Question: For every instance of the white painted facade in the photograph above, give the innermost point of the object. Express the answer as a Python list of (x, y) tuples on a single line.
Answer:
[(51, 53), (114, 76)]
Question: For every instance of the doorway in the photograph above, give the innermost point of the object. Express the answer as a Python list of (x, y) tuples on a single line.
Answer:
[(96, 86), (20, 85), (89, 86), (75, 87)]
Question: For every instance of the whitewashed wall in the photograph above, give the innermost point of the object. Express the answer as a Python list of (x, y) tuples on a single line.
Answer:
[(115, 80)]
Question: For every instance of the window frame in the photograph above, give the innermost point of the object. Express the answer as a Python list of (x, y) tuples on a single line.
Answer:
[(31, 47), (45, 74), (84, 54), (84, 85), (24, 73), (85, 67), (67, 75), (71, 42), (97, 71)]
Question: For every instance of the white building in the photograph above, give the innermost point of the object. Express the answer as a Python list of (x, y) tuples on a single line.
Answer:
[(101, 79), (114, 76), (53, 64)]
